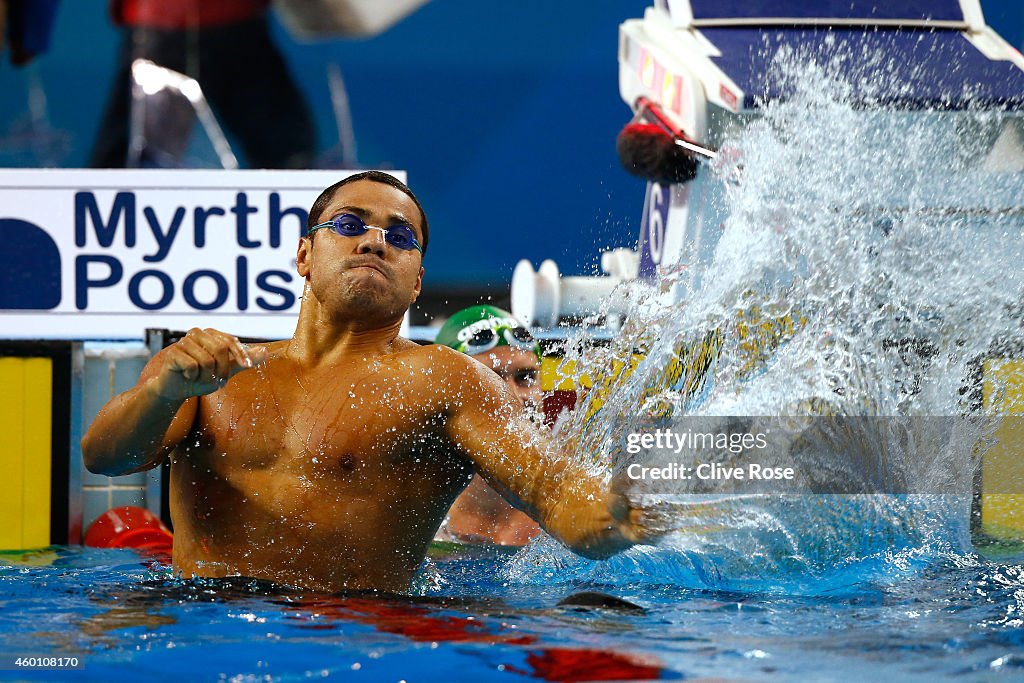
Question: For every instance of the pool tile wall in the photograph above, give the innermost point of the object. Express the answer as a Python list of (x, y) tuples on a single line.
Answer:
[(109, 369)]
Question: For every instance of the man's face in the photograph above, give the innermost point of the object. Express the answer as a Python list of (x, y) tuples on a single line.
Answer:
[(519, 368), (364, 275)]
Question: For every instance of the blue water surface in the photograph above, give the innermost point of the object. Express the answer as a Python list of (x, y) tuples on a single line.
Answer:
[(909, 618)]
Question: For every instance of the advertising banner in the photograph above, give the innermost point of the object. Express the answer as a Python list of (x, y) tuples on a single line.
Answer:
[(104, 254)]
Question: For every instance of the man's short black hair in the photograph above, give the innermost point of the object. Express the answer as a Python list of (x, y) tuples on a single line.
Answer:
[(378, 177)]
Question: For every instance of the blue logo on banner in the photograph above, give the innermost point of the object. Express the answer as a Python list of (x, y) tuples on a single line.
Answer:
[(29, 267)]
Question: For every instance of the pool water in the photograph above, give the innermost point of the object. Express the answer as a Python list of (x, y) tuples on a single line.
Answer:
[(913, 617), (877, 227)]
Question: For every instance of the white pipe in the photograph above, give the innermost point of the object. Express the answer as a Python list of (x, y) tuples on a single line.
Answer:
[(542, 297)]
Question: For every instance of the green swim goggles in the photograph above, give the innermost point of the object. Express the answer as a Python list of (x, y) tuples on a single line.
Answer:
[(487, 334), (348, 225)]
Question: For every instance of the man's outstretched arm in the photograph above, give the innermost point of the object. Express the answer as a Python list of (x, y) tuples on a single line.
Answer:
[(573, 504), (136, 430)]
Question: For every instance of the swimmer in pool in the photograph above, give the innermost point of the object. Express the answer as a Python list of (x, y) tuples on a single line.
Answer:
[(499, 341), (328, 461)]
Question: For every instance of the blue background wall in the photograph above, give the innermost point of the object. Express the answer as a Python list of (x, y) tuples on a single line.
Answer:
[(504, 114)]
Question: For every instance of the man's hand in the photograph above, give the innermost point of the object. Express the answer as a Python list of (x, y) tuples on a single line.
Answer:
[(202, 362), (638, 525), (137, 429)]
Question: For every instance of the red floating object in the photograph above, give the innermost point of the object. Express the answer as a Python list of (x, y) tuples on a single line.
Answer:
[(129, 527)]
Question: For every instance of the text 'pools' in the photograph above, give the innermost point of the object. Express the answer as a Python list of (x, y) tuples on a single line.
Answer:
[(152, 279)]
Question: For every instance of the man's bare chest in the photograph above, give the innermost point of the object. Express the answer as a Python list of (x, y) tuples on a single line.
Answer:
[(321, 424)]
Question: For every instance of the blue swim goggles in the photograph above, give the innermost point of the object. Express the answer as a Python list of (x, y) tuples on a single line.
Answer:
[(399, 236)]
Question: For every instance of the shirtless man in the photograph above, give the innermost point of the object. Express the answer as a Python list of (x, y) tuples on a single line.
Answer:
[(327, 461)]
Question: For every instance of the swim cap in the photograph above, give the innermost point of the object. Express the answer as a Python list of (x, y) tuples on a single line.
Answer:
[(478, 329)]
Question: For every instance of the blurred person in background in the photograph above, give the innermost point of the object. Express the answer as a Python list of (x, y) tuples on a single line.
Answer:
[(25, 28), (225, 45)]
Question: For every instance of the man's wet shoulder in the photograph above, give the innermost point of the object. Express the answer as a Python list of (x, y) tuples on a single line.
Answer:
[(442, 360), (442, 355)]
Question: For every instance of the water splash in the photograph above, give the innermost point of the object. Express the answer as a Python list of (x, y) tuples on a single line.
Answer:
[(867, 258)]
